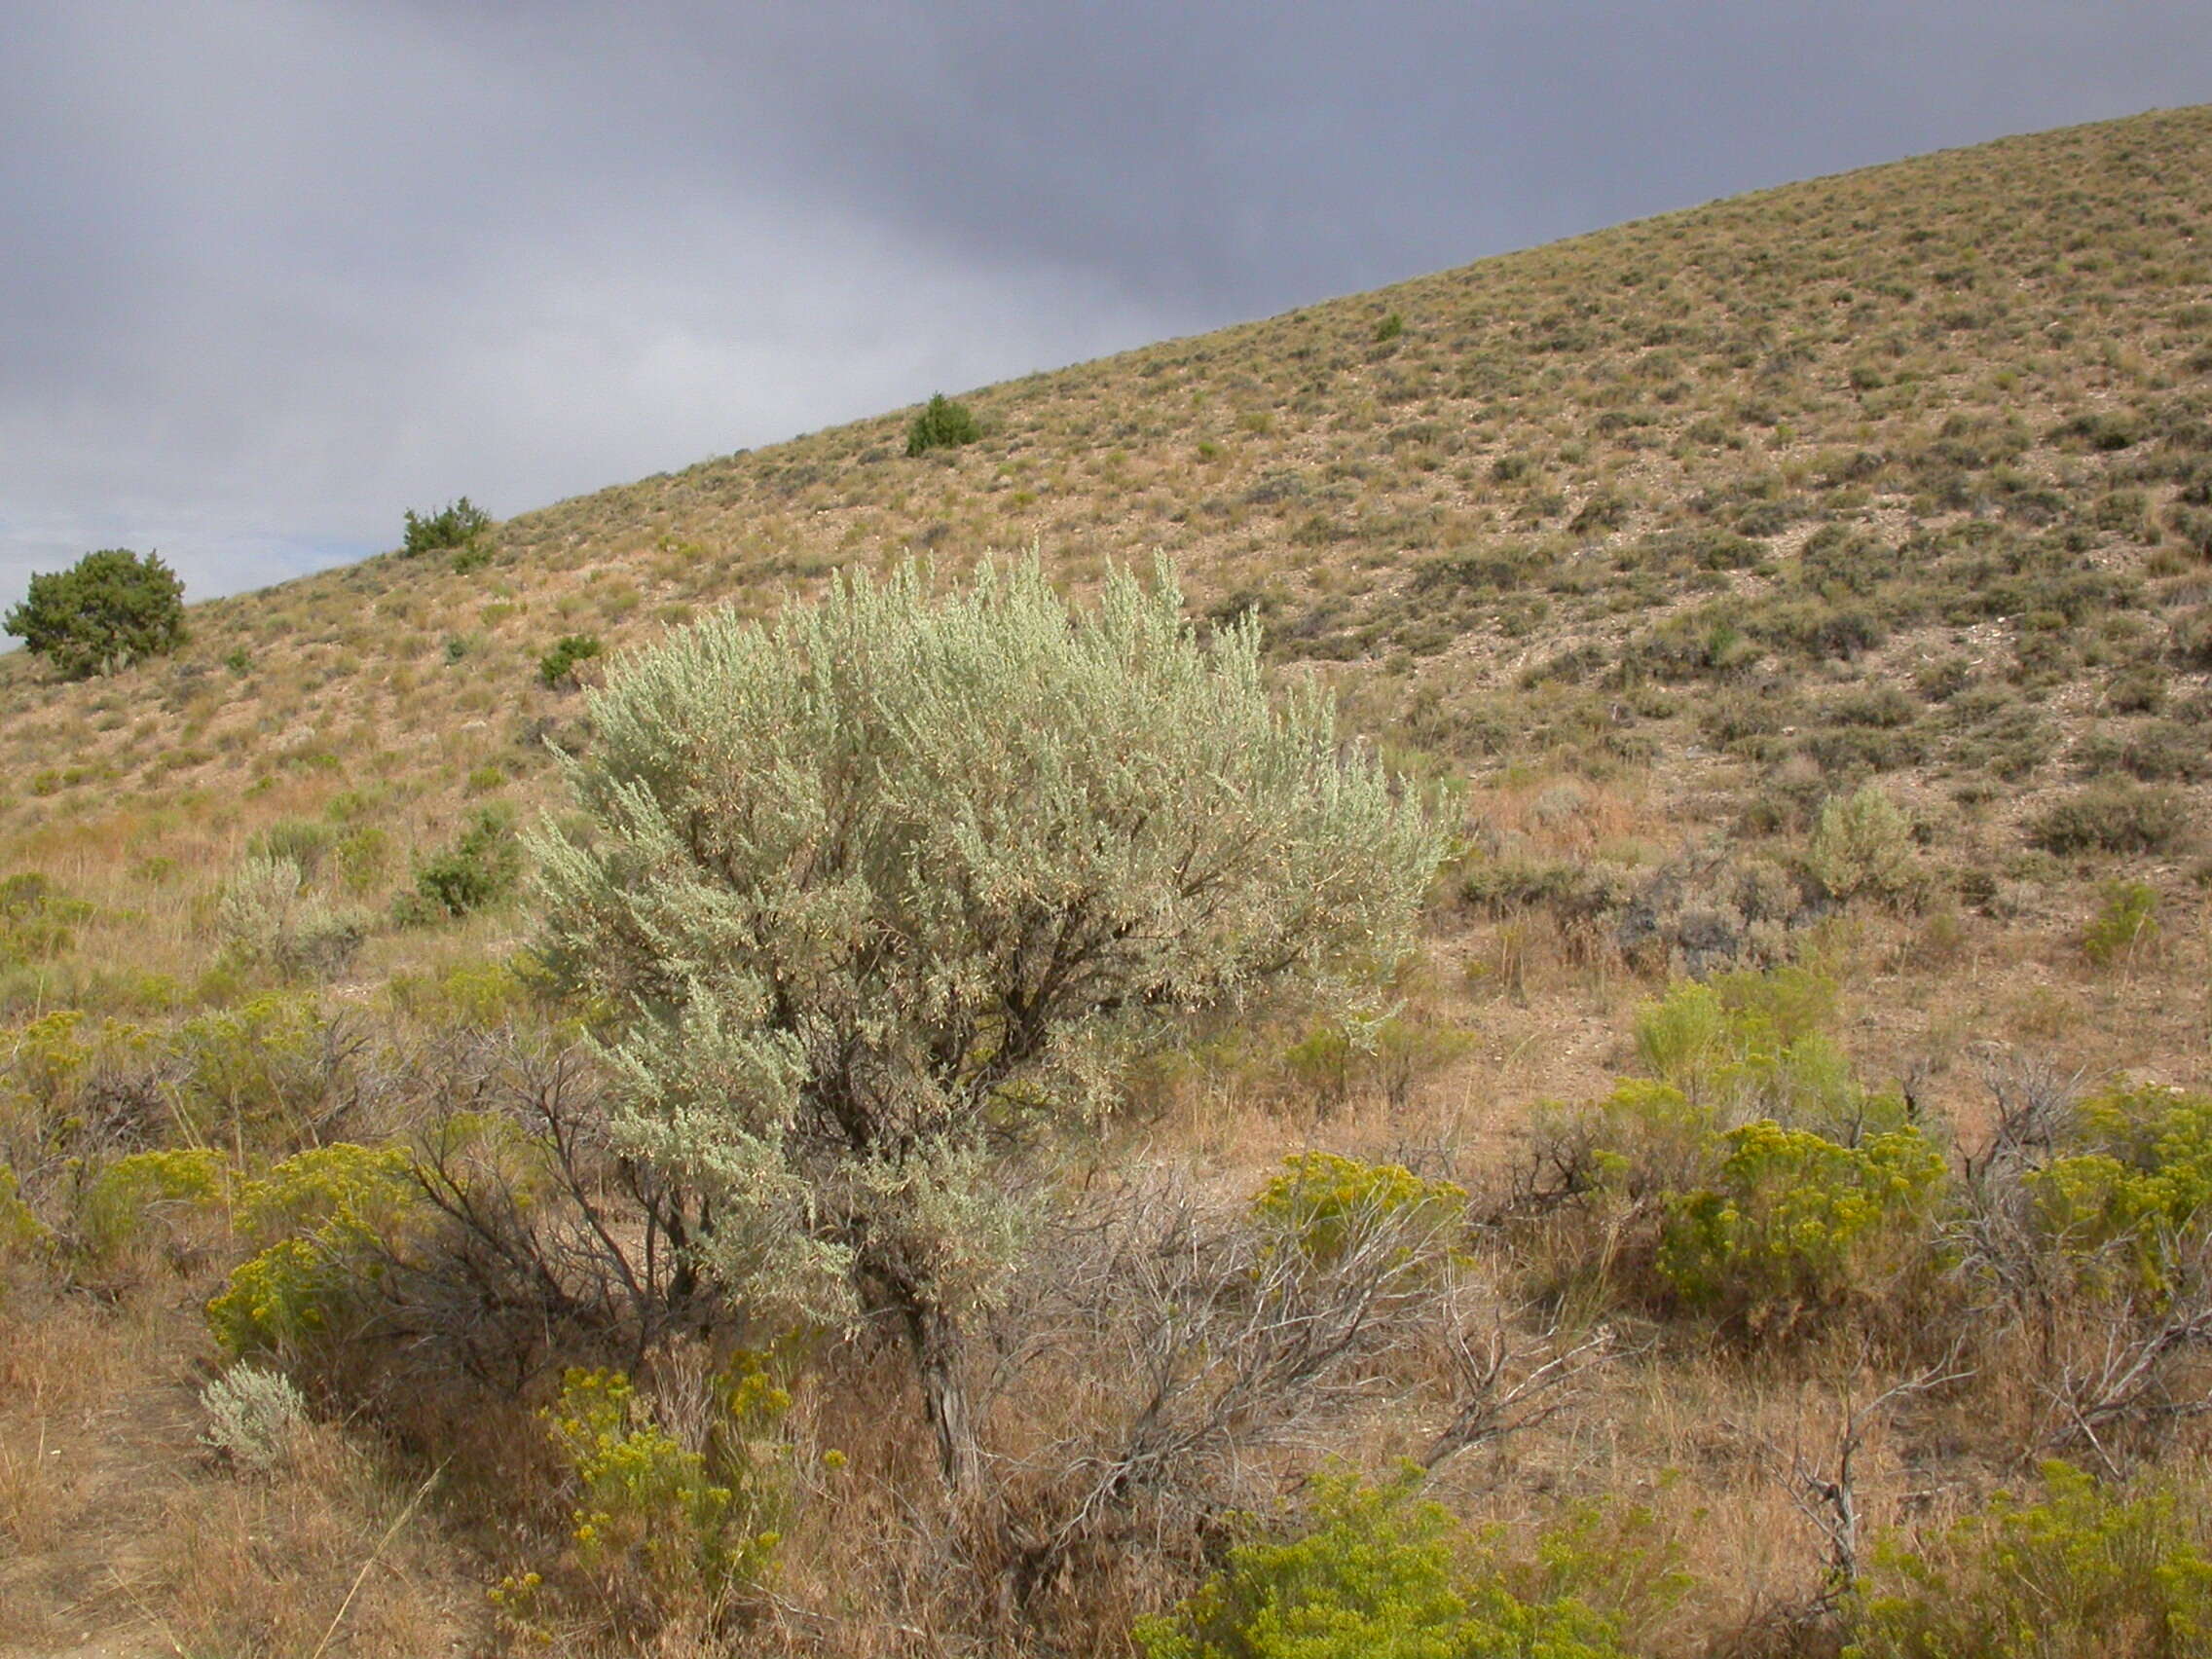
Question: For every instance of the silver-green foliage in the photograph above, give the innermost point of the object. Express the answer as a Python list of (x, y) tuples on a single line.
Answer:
[(253, 1415), (873, 894)]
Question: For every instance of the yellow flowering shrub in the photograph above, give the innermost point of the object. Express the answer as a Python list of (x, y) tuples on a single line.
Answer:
[(320, 1217), (1383, 1573), (1326, 1202), (684, 1526), (20, 1228), (2139, 1179), (1793, 1220), (2087, 1569), (121, 1201)]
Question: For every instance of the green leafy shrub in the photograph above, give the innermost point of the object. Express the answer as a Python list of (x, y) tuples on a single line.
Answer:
[(556, 668), (322, 1219), (474, 994), (2088, 1570), (2111, 817), (1753, 1045), (363, 857), (669, 1525), (1862, 844), (2125, 924), (1796, 1222), (456, 525), (110, 610), (1382, 1573), (304, 842), (21, 1230), (38, 922), (479, 868), (941, 423), (1639, 1143), (257, 1063), (1391, 1055)]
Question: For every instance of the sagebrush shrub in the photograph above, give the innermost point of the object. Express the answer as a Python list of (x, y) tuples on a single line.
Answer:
[(253, 1415), (264, 921), (255, 906), (806, 852), (1862, 844)]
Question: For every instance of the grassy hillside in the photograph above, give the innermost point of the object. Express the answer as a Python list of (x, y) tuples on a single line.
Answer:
[(1818, 580)]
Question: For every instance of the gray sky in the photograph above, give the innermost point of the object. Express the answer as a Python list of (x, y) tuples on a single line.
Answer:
[(273, 270)]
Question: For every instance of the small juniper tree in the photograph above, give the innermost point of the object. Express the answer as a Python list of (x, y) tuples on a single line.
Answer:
[(109, 610), (872, 901), (456, 525), (941, 423)]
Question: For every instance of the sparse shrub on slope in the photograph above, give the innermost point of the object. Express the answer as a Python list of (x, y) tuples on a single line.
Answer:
[(941, 423), (455, 527), (110, 610), (2125, 926), (556, 668), (479, 868), (2112, 818), (1862, 844), (1710, 909)]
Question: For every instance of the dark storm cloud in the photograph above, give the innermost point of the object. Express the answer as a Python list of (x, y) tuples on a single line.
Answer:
[(272, 272)]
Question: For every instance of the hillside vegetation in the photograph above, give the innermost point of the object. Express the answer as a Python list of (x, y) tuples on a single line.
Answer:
[(1791, 1132)]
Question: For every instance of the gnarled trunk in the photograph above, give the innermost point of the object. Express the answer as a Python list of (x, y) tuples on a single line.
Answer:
[(934, 1337)]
